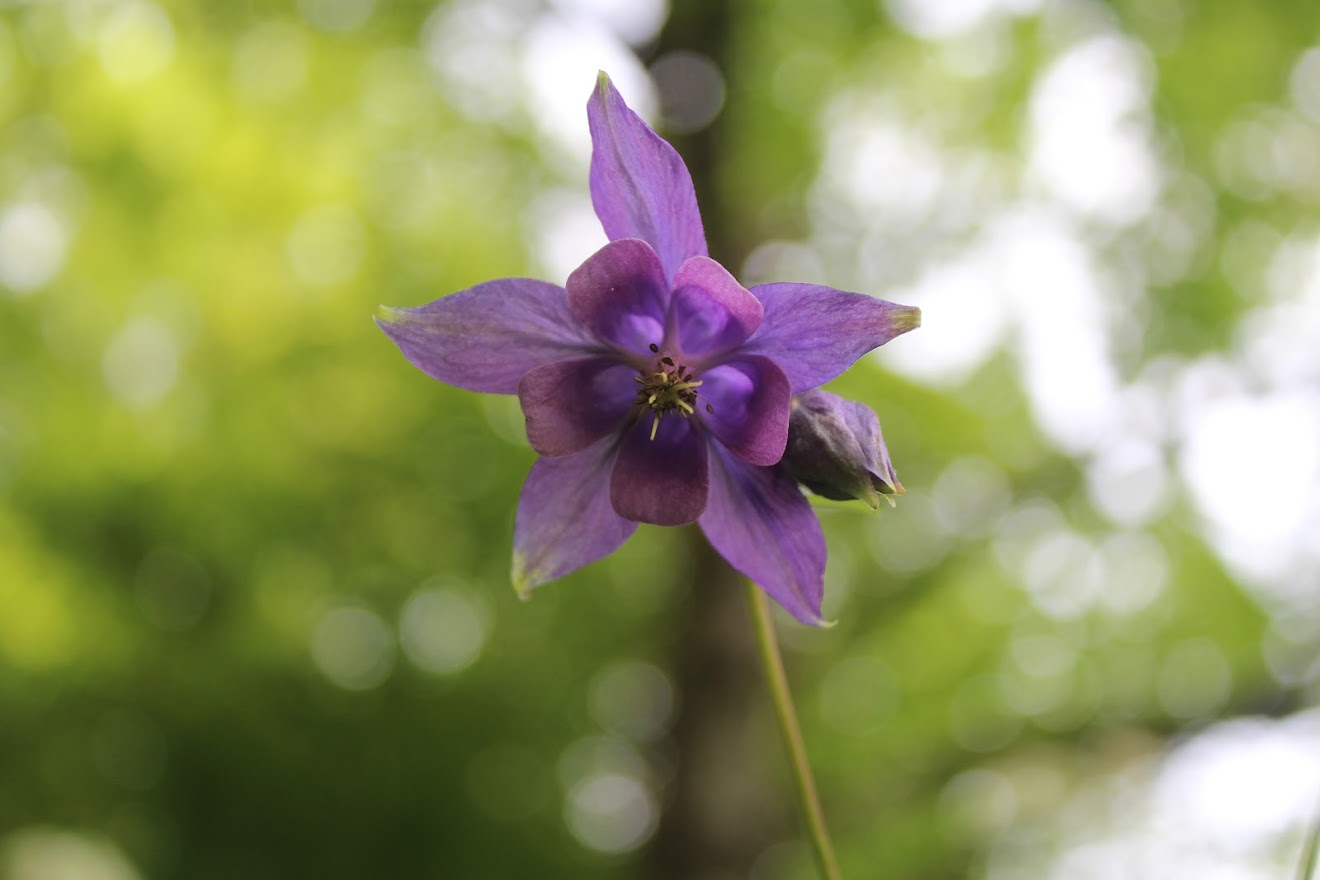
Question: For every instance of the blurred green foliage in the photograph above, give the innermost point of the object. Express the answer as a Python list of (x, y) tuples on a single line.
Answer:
[(255, 618)]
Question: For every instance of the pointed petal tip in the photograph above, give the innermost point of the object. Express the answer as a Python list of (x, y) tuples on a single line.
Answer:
[(523, 580), (387, 315), (602, 80), (907, 318)]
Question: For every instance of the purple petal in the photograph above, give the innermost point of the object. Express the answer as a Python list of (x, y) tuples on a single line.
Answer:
[(620, 293), (750, 402), (571, 404), (484, 338), (865, 426), (565, 519), (640, 187), (815, 333), (711, 312), (758, 520), (661, 481)]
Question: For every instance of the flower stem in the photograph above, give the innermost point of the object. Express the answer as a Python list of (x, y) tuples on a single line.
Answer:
[(1310, 850), (808, 800)]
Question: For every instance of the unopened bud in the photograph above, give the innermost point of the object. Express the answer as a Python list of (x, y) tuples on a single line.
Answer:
[(835, 449)]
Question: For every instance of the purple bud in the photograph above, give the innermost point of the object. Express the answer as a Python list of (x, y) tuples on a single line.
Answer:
[(835, 449)]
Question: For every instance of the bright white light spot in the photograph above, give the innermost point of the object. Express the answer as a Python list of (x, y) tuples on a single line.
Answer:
[(1252, 466), (634, 21), (1129, 483), (883, 166), (1064, 352), (37, 853), (1243, 782), (1195, 679), (564, 231), (270, 63), (474, 47), (1090, 130), (632, 698), (943, 19), (326, 245), (560, 63), (858, 695), (611, 813), (32, 246), (1231, 803), (353, 648), (141, 363), (442, 630), (136, 41), (961, 301), (336, 16)]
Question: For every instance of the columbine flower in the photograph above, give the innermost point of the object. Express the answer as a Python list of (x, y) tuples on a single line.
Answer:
[(655, 387), (836, 450)]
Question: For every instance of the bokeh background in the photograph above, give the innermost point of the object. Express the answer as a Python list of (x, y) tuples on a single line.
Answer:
[(255, 618)]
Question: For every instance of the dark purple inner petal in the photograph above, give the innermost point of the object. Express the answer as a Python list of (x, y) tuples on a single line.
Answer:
[(662, 480), (620, 293), (711, 312), (571, 404), (749, 408)]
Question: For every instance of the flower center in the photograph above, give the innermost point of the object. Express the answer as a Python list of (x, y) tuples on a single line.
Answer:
[(670, 388)]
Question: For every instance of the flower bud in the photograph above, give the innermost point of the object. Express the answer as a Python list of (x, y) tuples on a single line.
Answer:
[(835, 449)]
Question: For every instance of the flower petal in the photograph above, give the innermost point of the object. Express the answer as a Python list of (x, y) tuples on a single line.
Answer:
[(710, 312), (620, 293), (565, 519), (815, 333), (571, 404), (758, 520), (484, 338), (640, 187), (749, 408), (661, 481)]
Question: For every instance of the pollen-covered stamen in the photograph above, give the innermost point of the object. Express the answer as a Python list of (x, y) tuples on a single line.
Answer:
[(670, 388)]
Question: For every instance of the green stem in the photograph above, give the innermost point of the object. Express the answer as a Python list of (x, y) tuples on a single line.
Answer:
[(808, 800), (1306, 868)]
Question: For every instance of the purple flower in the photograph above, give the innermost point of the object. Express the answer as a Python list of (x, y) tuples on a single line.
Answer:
[(655, 387)]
